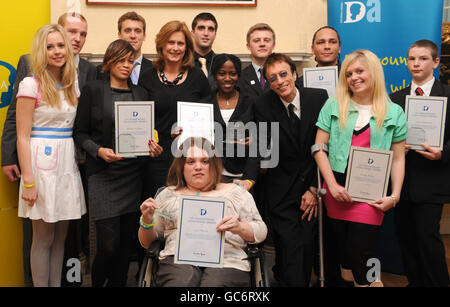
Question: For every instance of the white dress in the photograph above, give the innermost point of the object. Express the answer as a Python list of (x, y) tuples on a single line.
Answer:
[(56, 174)]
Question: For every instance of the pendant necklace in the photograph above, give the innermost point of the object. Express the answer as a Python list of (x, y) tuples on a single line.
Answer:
[(227, 101)]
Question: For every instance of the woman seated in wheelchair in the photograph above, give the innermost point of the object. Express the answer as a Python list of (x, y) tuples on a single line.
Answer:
[(197, 171)]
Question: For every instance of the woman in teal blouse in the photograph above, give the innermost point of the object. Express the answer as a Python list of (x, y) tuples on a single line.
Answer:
[(361, 115)]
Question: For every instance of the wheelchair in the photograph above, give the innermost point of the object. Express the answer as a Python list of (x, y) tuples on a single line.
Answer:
[(150, 264)]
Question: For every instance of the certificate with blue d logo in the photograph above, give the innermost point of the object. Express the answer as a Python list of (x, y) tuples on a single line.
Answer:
[(426, 121), (196, 119), (134, 123), (321, 77), (198, 242), (368, 173)]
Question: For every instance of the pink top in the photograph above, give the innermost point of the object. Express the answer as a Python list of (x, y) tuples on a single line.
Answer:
[(354, 211)]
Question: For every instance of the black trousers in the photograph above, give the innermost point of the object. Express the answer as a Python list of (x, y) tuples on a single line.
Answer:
[(423, 252), (294, 242), (115, 241), (356, 242), (332, 270)]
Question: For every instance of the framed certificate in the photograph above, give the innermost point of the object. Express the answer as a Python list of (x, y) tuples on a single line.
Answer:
[(196, 119), (134, 127), (321, 77), (426, 121), (198, 242), (368, 173)]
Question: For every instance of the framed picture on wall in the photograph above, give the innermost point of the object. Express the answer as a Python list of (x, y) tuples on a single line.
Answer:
[(176, 2)]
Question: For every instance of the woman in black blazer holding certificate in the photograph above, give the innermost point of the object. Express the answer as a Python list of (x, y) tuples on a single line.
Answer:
[(114, 182), (173, 78), (233, 112)]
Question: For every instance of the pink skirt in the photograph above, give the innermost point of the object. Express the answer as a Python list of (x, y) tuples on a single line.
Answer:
[(353, 212)]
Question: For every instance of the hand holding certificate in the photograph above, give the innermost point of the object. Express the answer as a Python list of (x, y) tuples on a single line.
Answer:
[(426, 121), (368, 173), (195, 119), (134, 122), (198, 241)]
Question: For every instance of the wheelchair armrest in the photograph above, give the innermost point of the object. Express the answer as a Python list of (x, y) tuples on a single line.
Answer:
[(155, 248)]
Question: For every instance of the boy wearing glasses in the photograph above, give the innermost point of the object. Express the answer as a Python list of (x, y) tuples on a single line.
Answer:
[(291, 205)]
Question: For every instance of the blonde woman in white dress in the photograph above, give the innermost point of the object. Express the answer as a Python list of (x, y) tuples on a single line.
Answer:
[(50, 192)]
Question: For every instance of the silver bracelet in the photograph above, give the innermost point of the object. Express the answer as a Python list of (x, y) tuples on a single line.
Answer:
[(393, 198), (317, 147)]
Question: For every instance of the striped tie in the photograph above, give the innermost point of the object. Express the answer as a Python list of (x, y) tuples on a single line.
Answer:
[(419, 91)]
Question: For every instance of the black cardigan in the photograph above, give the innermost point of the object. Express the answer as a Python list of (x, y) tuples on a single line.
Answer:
[(243, 114)]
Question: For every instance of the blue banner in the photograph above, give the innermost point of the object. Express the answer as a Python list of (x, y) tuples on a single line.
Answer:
[(388, 28)]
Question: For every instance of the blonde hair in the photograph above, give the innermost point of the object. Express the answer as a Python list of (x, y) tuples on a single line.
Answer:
[(379, 93), (162, 38), (39, 62), (260, 27)]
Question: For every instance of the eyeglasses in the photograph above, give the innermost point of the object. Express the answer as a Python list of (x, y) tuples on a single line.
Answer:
[(274, 78)]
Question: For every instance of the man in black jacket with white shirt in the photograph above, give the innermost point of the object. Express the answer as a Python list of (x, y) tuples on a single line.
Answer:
[(426, 186)]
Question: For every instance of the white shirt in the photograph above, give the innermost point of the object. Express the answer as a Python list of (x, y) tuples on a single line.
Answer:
[(138, 66), (364, 115), (426, 88), (76, 60), (226, 115), (295, 102), (257, 68)]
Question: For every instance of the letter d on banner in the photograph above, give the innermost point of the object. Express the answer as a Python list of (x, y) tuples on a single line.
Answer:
[(355, 11)]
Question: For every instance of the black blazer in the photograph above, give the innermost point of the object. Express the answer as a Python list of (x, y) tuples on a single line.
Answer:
[(145, 66), (86, 72), (243, 114), (249, 83), (425, 180), (93, 126), (295, 161)]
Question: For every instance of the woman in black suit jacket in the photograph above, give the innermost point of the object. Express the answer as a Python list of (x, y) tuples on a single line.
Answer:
[(233, 111), (114, 182)]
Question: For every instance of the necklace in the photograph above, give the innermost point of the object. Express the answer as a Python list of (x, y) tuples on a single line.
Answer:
[(174, 82), (227, 101)]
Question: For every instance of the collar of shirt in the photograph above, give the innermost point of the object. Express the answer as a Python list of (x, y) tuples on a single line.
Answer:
[(426, 87), (256, 68), (76, 60), (295, 102), (208, 56)]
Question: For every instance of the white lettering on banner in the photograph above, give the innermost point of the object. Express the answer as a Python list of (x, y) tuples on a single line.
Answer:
[(355, 11), (4, 87)]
